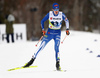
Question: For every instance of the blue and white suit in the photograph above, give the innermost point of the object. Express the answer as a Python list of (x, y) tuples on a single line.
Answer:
[(53, 32)]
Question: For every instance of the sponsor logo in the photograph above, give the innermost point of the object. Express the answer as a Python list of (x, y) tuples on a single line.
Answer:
[(50, 18), (56, 18), (48, 32), (55, 5)]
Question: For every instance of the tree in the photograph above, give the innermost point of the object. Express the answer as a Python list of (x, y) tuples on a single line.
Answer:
[(76, 15)]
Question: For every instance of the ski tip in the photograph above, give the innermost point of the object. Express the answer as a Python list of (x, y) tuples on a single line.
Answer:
[(9, 70), (61, 70)]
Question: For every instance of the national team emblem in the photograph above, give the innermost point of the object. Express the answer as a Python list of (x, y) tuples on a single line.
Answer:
[(50, 18)]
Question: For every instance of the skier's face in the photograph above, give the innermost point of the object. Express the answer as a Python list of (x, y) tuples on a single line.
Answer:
[(56, 11)]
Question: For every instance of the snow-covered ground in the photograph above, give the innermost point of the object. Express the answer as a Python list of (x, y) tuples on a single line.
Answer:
[(78, 56)]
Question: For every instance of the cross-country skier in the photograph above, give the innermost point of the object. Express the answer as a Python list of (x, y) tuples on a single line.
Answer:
[(55, 18)]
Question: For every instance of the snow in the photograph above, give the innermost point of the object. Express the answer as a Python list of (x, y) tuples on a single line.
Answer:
[(78, 56)]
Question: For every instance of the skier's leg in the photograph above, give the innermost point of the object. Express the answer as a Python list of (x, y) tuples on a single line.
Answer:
[(42, 45), (45, 40), (56, 46), (57, 43)]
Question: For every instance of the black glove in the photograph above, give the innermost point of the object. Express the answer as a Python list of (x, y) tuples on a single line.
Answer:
[(43, 32), (67, 32)]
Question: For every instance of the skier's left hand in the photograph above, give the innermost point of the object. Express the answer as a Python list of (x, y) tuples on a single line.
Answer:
[(67, 32)]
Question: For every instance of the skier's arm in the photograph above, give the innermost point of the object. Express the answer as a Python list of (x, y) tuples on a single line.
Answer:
[(66, 20), (43, 20), (67, 23)]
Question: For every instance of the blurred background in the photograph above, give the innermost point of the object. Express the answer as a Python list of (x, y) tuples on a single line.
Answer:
[(83, 15)]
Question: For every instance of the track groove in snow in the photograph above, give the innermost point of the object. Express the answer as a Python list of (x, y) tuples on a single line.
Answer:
[(79, 61)]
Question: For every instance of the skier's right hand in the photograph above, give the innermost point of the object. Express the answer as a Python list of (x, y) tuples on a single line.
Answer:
[(43, 32)]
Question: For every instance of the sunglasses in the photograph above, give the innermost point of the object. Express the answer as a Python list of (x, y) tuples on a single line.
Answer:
[(56, 9)]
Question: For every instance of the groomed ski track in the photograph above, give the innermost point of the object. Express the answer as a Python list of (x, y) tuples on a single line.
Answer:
[(78, 56)]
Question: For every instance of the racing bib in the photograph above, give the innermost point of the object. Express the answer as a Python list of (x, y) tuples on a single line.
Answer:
[(55, 21)]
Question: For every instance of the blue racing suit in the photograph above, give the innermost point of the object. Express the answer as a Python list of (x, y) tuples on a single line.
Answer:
[(52, 34)]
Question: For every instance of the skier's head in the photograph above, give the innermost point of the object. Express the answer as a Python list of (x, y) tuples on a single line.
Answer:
[(55, 8)]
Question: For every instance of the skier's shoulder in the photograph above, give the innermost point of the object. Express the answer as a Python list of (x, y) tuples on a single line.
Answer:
[(45, 18), (47, 15), (64, 17), (50, 12), (60, 12)]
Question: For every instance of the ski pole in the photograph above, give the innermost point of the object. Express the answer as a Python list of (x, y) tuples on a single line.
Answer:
[(39, 41), (64, 39)]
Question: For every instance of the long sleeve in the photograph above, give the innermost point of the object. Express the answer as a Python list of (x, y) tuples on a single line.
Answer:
[(43, 20), (66, 20)]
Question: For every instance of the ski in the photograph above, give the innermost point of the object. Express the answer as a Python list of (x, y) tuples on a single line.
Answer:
[(61, 70), (17, 68)]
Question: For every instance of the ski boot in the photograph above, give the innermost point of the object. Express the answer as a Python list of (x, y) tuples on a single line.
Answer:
[(58, 66), (29, 63)]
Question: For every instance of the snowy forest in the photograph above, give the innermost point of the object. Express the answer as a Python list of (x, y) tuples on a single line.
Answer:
[(83, 15)]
